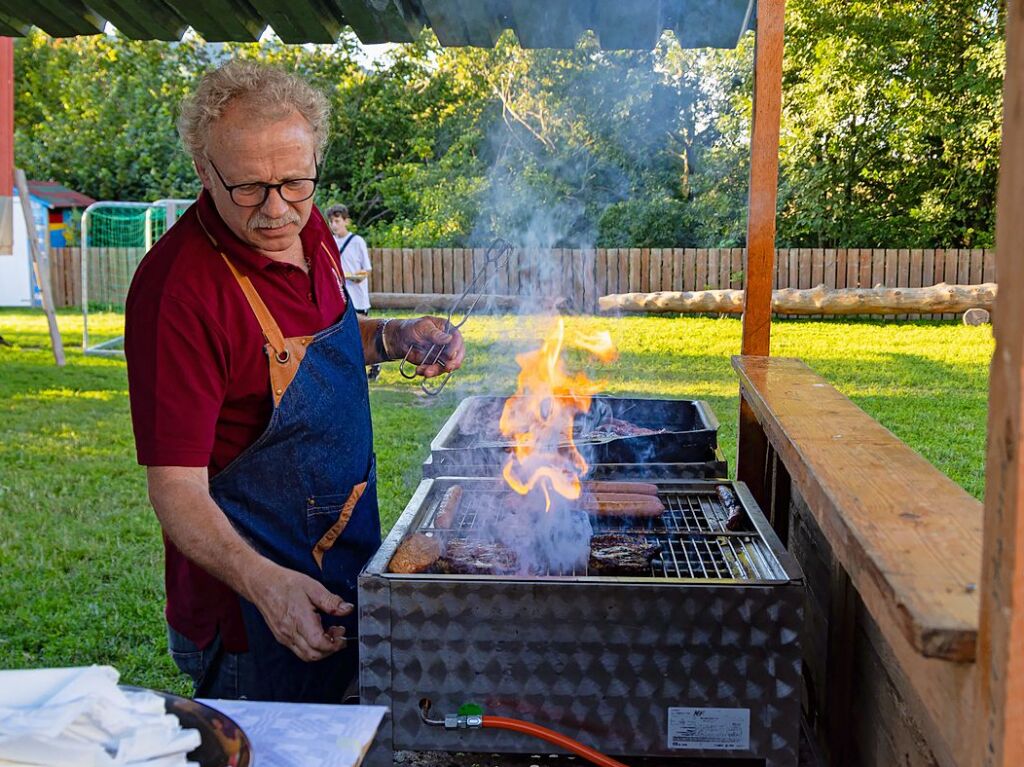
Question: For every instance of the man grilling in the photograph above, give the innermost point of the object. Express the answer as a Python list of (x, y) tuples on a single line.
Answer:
[(246, 368)]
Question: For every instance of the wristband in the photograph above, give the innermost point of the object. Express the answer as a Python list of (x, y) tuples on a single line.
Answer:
[(381, 344)]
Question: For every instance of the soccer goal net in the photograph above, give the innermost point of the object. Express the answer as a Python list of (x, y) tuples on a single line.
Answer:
[(115, 237)]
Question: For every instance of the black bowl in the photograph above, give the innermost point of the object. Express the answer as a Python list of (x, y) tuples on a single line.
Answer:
[(223, 743)]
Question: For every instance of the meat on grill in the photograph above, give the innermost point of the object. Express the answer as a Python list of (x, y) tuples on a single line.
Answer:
[(467, 557), (618, 554), (737, 518), (616, 427), (448, 507), (620, 505), (416, 554), (594, 486)]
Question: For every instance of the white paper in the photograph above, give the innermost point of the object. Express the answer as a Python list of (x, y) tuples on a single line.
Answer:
[(304, 734), (709, 729)]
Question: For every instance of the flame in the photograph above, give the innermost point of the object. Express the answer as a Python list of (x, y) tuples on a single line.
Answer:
[(539, 418)]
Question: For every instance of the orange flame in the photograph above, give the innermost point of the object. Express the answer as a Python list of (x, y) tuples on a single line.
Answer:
[(539, 418)]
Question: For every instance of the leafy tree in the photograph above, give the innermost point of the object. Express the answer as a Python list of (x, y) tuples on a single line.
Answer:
[(892, 123), (890, 131), (97, 113)]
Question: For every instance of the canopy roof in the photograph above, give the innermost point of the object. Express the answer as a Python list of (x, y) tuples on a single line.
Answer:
[(536, 23), (54, 195)]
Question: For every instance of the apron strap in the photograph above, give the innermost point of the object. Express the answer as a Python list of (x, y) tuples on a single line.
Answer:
[(284, 354), (334, 261), (268, 324)]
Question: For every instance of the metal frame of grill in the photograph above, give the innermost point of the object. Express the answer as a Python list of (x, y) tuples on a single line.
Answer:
[(604, 659), (706, 463)]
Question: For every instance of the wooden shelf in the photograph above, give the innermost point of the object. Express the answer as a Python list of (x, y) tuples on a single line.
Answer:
[(909, 537)]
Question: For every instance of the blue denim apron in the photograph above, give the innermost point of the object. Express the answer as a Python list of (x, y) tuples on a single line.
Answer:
[(304, 494)]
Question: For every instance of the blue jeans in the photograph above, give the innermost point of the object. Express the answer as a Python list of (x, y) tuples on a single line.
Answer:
[(215, 673)]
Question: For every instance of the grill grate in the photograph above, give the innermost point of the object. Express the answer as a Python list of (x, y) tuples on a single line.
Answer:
[(691, 533)]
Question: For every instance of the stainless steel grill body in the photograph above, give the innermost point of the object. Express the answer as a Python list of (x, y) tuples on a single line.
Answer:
[(602, 659)]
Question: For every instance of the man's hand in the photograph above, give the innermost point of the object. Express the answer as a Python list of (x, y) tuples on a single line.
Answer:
[(291, 603), (288, 600), (416, 337)]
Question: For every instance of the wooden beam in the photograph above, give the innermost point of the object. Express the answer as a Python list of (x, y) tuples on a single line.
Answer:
[(920, 550), (1001, 629), (6, 146), (40, 266), (764, 176), (6, 115), (763, 193)]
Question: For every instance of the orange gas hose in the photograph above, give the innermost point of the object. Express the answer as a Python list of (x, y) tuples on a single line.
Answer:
[(518, 725)]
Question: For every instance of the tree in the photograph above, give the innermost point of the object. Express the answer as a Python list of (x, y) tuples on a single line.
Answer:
[(97, 113), (890, 131), (892, 123)]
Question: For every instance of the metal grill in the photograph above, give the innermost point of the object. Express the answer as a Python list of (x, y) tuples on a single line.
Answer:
[(678, 431), (604, 659), (694, 542)]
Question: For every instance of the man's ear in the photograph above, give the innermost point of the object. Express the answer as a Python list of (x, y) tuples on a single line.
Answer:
[(203, 173)]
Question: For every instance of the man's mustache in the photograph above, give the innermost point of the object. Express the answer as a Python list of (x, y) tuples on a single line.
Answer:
[(261, 221)]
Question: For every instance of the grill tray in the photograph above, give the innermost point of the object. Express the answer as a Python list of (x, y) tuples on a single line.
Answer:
[(694, 542), (471, 438)]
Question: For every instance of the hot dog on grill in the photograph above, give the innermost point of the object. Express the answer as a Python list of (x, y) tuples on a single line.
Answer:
[(620, 505), (598, 486), (448, 507)]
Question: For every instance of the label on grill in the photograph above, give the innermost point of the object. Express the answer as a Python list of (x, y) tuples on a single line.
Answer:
[(711, 729)]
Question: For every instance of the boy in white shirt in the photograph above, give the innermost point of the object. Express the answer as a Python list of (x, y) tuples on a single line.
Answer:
[(355, 263)]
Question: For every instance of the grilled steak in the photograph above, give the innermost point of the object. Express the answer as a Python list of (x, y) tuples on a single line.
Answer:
[(617, 554), (466, 557)]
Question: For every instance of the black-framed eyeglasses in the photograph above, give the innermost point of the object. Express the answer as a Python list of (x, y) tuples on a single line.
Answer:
[(252, 195)]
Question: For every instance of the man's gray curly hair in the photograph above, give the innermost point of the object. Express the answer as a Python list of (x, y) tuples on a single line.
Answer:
[(270, 91)]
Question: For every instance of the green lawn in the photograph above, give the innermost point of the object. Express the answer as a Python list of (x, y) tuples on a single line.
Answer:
[(80, 552)]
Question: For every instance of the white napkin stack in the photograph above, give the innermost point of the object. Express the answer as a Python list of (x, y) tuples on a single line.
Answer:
[(79, 716)]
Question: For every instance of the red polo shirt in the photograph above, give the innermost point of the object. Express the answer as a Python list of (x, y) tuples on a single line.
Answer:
[(198, 379)]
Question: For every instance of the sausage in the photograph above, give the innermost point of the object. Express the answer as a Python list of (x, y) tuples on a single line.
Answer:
[(737, 517), (634, 488), (448, 507), (620, 505)]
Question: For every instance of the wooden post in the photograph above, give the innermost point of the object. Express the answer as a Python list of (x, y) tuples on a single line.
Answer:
[(1001, 628), (40, 266), (6, 146), (764, 177), (751, 458)]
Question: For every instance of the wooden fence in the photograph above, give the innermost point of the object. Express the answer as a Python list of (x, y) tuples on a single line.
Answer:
[(110, 274), (582, 276)]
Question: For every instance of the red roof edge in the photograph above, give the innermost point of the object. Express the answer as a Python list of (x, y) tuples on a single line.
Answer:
[(58, 196)]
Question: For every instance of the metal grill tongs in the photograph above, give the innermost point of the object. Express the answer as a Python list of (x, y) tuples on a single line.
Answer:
[(495, 257)]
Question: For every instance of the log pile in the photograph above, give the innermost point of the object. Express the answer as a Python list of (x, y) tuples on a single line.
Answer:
[(937, 299), (442, 302)]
